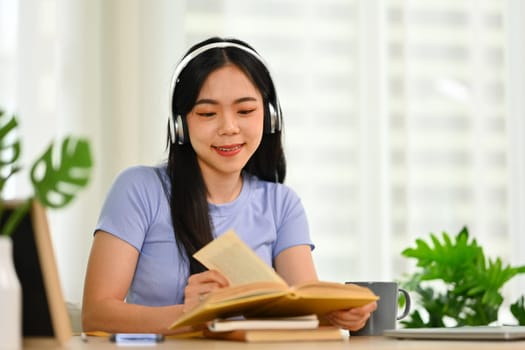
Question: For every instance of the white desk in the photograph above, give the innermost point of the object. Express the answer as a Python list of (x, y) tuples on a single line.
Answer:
[(361, 343)]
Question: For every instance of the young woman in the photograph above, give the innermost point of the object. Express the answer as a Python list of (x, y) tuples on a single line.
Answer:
[(225, 170)]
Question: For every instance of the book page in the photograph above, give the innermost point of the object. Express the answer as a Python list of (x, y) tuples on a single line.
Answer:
[(241, 292), (332, 289), (232, 257)]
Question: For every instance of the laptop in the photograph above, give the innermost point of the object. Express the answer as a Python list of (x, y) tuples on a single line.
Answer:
[(460, 333)]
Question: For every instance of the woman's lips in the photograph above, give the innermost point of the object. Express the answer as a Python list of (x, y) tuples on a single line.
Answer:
[(228, 150)]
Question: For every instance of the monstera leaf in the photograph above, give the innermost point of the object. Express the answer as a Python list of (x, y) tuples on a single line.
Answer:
[(57, 180), (9, 148), (56, 176), (9, 155)]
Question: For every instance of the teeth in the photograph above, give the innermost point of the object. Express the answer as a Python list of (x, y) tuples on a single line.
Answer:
[(222, 149)]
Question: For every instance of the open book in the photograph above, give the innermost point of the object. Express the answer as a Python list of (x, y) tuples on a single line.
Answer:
[(256, 290)]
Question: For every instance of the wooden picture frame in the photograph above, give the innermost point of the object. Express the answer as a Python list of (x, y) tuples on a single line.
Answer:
[(44, 311)]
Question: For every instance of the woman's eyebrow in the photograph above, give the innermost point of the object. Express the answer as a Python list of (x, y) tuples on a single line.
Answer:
[(203, 101), (245, 99), (215, 102)]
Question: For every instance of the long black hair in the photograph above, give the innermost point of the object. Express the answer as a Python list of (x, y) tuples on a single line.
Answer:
[(189, 206)]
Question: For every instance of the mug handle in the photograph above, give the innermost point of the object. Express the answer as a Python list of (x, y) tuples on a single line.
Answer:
[(407, 303)]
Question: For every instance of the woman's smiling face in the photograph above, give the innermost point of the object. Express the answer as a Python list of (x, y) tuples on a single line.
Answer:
[(226, 122)]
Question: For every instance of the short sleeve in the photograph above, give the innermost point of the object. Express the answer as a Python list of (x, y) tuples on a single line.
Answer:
[(131, 204), (292, 223)]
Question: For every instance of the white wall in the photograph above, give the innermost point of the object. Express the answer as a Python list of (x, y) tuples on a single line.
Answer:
[(99, 69), (102, 68)]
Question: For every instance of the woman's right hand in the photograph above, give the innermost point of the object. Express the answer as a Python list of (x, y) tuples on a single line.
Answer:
[(200, 284)]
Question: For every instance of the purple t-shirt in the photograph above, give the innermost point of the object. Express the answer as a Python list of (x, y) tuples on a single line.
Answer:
[(269, 217)]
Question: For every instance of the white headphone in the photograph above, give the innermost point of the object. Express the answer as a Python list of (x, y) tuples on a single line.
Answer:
[(177, 126)]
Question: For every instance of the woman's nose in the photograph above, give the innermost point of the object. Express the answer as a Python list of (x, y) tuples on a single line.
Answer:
[(229, 123)]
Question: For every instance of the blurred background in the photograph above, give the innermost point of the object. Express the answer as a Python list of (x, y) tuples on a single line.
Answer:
[(402, 117)]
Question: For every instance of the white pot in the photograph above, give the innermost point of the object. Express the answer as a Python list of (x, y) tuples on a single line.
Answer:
[(10, 299)]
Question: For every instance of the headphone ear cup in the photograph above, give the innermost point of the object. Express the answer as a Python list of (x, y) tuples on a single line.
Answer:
[(171, 129), (179, 130), (272, 119)]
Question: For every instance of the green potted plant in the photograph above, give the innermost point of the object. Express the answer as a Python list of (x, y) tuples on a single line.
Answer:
[(455, 284), (55, 181)]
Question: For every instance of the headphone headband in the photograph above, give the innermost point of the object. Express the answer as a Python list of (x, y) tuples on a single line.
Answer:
[(176, 127), (221, 44)]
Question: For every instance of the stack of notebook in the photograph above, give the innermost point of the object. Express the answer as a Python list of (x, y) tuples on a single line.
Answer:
[(300, 328)]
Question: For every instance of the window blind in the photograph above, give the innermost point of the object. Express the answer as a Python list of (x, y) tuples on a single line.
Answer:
[(434, 161)]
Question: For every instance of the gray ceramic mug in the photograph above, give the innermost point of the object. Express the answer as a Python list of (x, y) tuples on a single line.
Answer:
[(386, 315)]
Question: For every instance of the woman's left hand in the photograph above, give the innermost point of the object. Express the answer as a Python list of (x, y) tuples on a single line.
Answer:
[(352, 319)]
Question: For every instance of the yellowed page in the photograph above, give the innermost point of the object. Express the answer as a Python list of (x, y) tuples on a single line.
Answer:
[(236, 260)]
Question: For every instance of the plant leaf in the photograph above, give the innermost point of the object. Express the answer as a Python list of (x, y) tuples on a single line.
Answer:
[(447, 260), (469, 284), (56, 185), (518, 310), (10, 148), (14, 218)]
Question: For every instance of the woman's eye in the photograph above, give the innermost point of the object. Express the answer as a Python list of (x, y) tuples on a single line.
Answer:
[(206, 114), (246, 111)]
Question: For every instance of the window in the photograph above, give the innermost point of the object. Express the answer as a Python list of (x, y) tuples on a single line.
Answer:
[(395, 119), (401, 116)]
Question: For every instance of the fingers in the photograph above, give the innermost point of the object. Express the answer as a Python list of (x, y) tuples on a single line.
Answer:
[(366, 309), (201, 284), (351, 325), (352, 319), (211, 277)]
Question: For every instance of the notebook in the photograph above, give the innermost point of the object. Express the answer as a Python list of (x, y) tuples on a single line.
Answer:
[(232, 324), (460, 333)]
